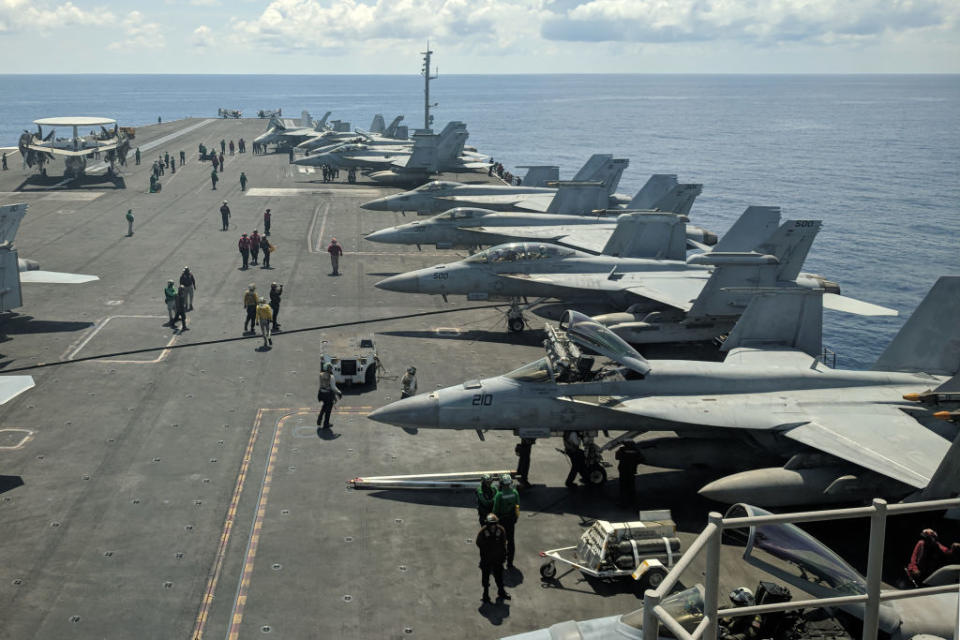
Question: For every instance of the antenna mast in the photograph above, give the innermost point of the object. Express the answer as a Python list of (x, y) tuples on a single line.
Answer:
[(425, 72)]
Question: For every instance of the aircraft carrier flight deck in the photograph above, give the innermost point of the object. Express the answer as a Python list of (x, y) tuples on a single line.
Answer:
[(159, 484)]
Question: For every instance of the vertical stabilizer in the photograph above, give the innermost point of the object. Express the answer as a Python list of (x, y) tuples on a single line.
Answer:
[(423, 156), (9, 279), (603, 167), (680, 199), (450, 143), (377, 125), (791, 318), (753, 226), (391, 131), (322, 123), (578, 197), (539, 175), (657, 186), (929, 342), (735, 279), (658, 236), (305, 119), (790, 244), (10, 217)]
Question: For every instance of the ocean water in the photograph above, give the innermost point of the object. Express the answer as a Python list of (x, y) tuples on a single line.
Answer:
[(877, 158)]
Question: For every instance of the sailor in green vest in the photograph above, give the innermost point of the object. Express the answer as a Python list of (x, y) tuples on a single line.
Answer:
[(485, 495), (506, 506)]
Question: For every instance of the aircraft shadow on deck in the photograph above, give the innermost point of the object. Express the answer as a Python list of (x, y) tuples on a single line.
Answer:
[(22, 324), (9, 483), (527, 338), (39, 183)]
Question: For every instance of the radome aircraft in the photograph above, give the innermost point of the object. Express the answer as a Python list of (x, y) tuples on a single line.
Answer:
[(14, 270), (839, 435), (439, 196), (37, 149), (236, 114), (667, 296), (468, 228)]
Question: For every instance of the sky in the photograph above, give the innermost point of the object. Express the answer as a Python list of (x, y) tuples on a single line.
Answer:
[(480, 36)]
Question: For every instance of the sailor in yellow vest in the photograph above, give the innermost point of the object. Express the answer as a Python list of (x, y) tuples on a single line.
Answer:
[(265, 318)]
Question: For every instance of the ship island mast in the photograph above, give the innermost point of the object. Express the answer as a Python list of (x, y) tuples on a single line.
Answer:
[(425, 72)]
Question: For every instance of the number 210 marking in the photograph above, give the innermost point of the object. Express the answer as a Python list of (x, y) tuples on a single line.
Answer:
[(482, 400)]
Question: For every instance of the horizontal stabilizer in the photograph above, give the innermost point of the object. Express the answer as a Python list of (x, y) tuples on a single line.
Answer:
[(929, 342), (657, 236), (679, 199), (858, 307), (55, 277), (10, 217)]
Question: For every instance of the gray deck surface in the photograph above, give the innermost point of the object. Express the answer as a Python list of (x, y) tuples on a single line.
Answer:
[(171, 492)]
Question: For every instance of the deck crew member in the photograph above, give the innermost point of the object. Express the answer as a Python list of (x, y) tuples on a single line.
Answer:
[(266, 248), (335, 250), (276, 290), (408, 383), (254, 247), (523, 460), (485, 495), (189, 284), (224, 213), (265, 319), (266, 222), (250, 300), (243, 246), (129, 222), (243, 181), (214, 178), (170, 297), (181, 306), (491, 540), (740, 627), (928, 556), (578, 460), (506, 506), (136, 155), (327, 394)]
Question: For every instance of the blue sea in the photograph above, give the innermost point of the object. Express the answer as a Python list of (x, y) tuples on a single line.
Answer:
[(876, 157)]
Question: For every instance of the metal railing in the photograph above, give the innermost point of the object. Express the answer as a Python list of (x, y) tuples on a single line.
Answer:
[(710, 539)]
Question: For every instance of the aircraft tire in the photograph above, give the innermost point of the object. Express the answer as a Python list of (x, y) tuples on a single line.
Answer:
[(596, 475), (516, 325)]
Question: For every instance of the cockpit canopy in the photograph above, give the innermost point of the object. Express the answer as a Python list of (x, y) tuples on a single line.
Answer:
[(460, 213), (519, 251), (436, 185)]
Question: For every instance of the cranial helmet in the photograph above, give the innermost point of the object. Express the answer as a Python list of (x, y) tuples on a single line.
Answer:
[(506, 480), (492, 518), (742, 597), (485, 478)]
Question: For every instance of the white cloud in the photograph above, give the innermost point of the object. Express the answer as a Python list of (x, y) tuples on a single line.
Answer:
[(480, 26), (759, 21), (24, 15), (202, 37), (139, 34)]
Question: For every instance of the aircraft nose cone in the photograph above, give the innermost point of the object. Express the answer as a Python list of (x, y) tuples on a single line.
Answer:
[(404, 283), (383, 235), (380, 204), (412, 412)]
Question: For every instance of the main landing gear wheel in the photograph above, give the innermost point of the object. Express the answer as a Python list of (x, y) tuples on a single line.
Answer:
[(651, 579), (596, 475), (516, 325), (548, 570)]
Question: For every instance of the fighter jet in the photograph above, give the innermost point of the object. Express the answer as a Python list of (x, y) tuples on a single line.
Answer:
[(15, 270), (37, 149), (284, 134), (327, 140), (441, 152), (667, 296), (839, 435), (439, 196), (470, 228)]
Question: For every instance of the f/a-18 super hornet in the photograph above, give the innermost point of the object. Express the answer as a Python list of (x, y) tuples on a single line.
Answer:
[(15, 270), (797, 431), (667, 296), (438, 196), (469, 228), (284, 134), (37, 149), (393, 134)]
